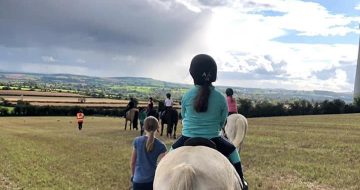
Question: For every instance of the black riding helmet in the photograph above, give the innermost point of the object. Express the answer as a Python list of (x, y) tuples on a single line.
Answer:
[(203, 69), (229, 92)]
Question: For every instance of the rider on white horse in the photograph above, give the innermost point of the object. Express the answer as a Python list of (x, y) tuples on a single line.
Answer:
[(204, 111)]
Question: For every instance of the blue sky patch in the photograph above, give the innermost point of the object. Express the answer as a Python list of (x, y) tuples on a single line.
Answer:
[(272, 13), (294, 37), (345, 7)]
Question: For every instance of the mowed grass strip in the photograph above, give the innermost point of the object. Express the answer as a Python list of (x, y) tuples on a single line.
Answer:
[(302, 152)]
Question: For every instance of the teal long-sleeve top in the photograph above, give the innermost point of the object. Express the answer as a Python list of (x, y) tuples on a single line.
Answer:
[(203, 124)]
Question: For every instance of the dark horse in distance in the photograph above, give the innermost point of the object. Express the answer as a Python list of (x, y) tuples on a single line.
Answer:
[(170, 118)]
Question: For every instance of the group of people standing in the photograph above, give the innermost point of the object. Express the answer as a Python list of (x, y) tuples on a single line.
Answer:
[(149, 110), (204, 111)]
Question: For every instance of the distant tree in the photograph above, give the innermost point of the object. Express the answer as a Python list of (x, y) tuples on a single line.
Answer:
[(350, 108), (340, 105), (300, 107), (333, 107), (357, 102), (294, 108), (279, 109), (245, 107), (264, 109), (6, 103), (4, 112), (101, 95), (316, 108)]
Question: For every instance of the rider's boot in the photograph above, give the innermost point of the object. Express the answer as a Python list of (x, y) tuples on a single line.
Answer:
[(239, 170)]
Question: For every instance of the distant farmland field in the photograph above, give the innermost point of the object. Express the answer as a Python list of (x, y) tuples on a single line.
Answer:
[(63, 99), (302, 152), (36, 93)]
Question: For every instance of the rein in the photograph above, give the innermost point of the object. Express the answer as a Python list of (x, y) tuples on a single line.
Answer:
[(223, 130), (224, 133)]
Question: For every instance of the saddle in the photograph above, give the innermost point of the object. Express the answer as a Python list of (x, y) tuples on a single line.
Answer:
[(199, 141)]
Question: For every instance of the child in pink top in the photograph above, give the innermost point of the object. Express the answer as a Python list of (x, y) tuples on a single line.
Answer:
[(231, 102)]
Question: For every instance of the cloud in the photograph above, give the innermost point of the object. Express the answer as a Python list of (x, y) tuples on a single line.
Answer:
[(154, 33), (48, 59), (325, 74), (357, 7), (158, 38), (214, 3), (240, 39), (80, 61)]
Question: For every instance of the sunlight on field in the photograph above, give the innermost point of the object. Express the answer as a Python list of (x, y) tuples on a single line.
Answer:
[(304, 152)]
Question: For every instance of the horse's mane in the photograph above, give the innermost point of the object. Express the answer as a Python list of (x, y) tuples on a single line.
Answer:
[(183, 178)]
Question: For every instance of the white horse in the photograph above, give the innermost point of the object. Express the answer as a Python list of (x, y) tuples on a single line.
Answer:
[(200, 167), (235, 129)]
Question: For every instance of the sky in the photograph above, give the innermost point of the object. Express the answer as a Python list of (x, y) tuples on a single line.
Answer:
[(286, 44)]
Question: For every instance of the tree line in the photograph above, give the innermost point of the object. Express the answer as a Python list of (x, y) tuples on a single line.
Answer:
[(250, 108), (246, 107), (23, 108)]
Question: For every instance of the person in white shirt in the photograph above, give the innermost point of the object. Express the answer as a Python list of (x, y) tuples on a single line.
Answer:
[(168, 103)]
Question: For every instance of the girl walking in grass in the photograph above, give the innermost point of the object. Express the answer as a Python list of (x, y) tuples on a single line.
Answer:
[(80, 119), (146, 152)]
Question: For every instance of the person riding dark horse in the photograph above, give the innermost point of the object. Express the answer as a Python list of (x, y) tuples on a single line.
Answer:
[(170, 117), (150, 107), (132, 104)]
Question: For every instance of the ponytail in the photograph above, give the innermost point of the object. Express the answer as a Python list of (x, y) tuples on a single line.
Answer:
[(150, 142), (202, 98), (151, 124)]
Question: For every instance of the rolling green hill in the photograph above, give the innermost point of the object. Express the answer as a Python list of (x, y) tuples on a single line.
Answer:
[(142, 88), (112, 87)]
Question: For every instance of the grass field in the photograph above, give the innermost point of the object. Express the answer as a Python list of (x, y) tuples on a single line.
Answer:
[(303, 152)]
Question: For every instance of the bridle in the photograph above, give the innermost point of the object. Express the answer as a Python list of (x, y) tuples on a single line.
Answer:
[(224, 133)]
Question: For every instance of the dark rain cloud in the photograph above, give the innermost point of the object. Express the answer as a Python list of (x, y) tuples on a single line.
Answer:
[(103, 34), (112, 25)]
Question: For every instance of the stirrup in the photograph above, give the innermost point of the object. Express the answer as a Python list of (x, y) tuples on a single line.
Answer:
[(245, 186)]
